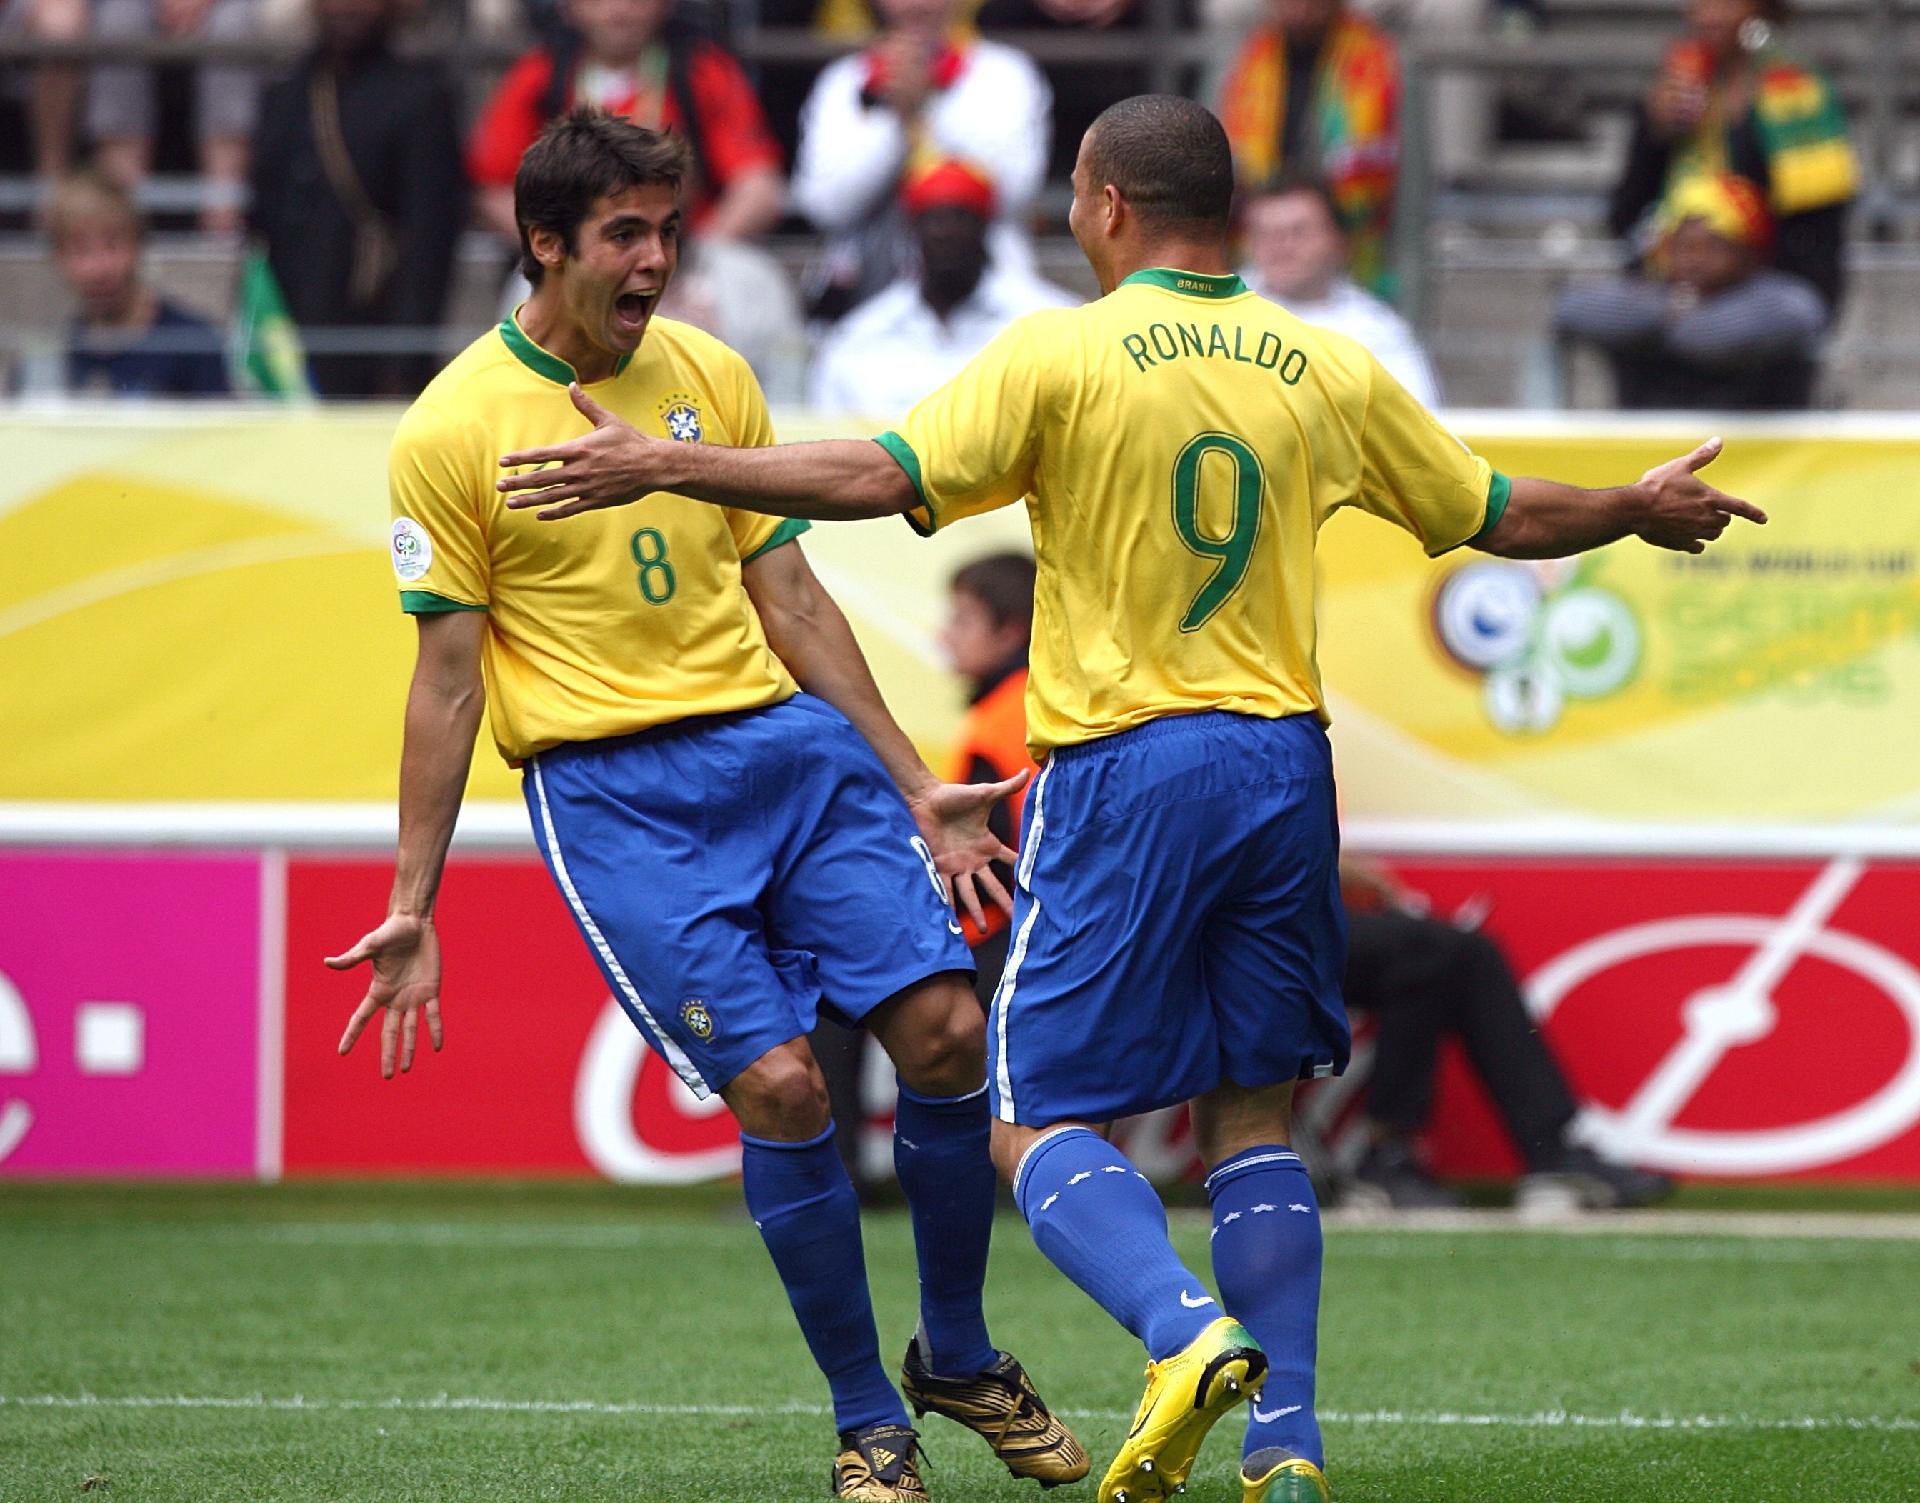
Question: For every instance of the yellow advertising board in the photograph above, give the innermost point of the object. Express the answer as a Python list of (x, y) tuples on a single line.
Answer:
[(196, 605), (1775, 677)]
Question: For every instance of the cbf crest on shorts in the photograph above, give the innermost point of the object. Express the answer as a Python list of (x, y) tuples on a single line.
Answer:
[(681, 414), (695, 1013)]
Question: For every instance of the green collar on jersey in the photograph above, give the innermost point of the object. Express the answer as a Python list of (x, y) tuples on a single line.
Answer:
[(1193, 283), (539, 361)]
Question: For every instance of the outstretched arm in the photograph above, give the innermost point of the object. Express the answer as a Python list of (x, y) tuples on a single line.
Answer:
[(1670, 507), (840, 480), (809, 634), (443, 714)]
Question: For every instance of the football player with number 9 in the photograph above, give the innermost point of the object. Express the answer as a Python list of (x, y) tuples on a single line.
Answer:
[(1177, 930)]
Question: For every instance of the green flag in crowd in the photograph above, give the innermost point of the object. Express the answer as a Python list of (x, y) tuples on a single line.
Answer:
[(265, 356)]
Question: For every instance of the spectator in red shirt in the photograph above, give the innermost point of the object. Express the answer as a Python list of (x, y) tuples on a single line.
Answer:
[(637, 59)]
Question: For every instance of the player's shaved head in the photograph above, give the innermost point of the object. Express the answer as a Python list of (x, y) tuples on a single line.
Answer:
[(1167, 157)]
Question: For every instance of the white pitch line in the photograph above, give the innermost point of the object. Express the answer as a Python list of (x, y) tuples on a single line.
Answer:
[(1891, 1226), (563, 1237), (1894, 1257), (1711, 1230), (1544, 1419)]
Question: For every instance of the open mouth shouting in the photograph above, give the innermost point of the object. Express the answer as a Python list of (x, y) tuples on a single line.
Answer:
[(632, 310)]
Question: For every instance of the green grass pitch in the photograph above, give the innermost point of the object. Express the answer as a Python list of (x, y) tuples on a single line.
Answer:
[(410, 1344)]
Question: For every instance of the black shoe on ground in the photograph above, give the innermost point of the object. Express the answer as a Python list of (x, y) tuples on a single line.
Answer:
[(1390, 1178), (1580, 1180)]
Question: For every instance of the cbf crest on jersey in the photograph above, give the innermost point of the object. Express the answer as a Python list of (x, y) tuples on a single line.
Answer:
[(681, 414), (698, 1018)]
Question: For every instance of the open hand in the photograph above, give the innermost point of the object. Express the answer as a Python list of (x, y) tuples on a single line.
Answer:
[(953, 821), (1086, 12), (1373, 884), (611, 466), (1681, 511), (180, 18), (909, 72), (406, 982), (1676, 104)]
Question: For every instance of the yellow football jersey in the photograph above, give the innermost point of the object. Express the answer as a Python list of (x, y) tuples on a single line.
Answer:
[(1178, 443), (610, 621)]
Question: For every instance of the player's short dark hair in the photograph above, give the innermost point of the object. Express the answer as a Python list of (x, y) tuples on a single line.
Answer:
[(582, 156), (1286, 184), (1003, 583), (1169, 158)]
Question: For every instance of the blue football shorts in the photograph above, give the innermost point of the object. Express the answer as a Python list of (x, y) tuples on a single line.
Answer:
[(735, 875), (1177, 924)]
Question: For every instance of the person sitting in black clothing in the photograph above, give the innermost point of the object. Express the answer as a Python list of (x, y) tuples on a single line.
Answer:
[(1422, 979), (126, 339), (1707, 324), (1731, 98), (360, 196)]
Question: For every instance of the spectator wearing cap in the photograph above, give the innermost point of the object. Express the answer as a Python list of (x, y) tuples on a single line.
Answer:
[(1732, 97), (916, 334), (1709, 324), (1316, 92), (126, 339), (925, 88), (1298, 255), (646, 62)]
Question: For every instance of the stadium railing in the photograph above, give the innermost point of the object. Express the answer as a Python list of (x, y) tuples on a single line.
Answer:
[(1451, 224)]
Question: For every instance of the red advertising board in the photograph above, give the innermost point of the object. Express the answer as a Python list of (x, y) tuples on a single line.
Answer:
[(1727, 1019), (1723, 1019), (541, 1073)]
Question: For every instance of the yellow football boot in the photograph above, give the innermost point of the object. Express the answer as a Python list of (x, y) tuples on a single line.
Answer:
[(1186, 1393), (1276, 1475)]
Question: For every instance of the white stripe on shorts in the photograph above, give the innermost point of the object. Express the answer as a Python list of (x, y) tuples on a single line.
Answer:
[(1003, 996), (672, 1052)]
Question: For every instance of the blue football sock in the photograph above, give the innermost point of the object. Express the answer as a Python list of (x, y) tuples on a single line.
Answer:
[(940, 1154), (1101, 1224), (1266, 1259), (801, 1199)]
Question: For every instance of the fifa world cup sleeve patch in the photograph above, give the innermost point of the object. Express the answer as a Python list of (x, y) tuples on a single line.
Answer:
[(412, 550)]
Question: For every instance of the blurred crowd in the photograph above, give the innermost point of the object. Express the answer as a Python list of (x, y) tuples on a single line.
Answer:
[(916, 163)]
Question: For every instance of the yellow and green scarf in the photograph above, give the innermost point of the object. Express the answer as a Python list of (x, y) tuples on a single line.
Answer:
[(1356, 108), (1803, 131)]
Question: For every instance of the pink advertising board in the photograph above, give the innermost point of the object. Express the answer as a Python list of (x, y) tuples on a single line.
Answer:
[(130, 1015)]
